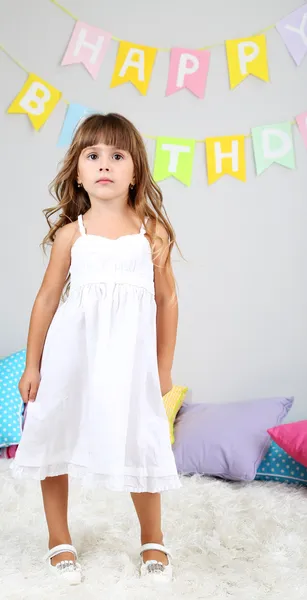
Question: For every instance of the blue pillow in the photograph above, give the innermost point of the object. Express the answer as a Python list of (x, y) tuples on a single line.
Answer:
[(11, 404), (277, 465)]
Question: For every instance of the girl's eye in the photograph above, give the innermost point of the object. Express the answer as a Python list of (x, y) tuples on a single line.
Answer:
[(117, 156), (92, 156)]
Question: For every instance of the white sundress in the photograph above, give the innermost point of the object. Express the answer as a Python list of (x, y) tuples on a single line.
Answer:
[(99, 411)]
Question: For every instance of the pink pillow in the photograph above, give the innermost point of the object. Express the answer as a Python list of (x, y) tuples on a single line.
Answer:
[(292, 437)]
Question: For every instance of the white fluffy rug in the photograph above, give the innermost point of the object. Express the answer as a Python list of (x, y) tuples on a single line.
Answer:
[(230, 541)]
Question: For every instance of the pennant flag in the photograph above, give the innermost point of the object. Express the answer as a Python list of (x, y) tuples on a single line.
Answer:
[(174, 156), (37, 99), (188, 69), (302, 125), (74, 115), (293, 30), (247, 57), (134, 63), (225, 155), (273, 143), (87, 45)]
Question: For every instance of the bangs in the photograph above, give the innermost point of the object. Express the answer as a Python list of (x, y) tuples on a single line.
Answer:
[(112, 130)]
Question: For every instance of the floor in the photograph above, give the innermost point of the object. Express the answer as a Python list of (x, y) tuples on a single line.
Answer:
[(229, 540)]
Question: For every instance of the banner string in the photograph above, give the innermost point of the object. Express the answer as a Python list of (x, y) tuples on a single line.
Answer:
[(152, 137), (13, 59), (65, 10), (116, 39), (19, 64)]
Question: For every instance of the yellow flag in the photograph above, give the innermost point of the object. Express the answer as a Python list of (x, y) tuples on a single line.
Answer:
[(134, 63), (225, 156), (37, 99), (247, 56)]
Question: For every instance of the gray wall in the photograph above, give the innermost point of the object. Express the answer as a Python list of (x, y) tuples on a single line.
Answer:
[(242, 286)]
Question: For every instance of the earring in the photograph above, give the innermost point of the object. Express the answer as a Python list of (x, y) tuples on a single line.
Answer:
[(131, 186), (79, 185)]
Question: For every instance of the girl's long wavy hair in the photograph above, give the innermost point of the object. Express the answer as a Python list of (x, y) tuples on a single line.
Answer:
[(145, 198)]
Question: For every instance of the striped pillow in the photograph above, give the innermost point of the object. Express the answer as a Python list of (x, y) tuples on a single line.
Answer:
[(173, 402)]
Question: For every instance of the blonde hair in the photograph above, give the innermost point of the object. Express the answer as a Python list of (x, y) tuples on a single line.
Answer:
[(145, 198)]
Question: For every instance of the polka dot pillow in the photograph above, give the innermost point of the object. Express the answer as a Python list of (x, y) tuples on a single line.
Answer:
[(277, 465), (11, 404)]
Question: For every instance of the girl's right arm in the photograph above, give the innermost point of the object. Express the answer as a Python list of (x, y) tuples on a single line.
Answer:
[(44, 308)]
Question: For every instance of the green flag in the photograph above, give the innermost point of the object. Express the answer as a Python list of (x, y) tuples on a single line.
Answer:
[(174, 156), (273, 143)]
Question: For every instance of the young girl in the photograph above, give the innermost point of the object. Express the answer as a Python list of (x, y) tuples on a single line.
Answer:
[(98, 365)]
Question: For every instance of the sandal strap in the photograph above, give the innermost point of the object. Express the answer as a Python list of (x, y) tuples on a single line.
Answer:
[(146, 547), (59, 549)]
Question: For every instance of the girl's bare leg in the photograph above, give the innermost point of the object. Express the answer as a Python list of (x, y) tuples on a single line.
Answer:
[(55, 498), (148, 508)]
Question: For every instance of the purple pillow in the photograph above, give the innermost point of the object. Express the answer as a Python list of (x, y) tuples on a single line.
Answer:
[(226, 440)]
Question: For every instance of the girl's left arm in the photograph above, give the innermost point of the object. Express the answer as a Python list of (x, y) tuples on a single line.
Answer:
[(167, 312)]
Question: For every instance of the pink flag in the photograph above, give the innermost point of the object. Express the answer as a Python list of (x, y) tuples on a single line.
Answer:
[(188, 69), (87, 45), (302, 125)]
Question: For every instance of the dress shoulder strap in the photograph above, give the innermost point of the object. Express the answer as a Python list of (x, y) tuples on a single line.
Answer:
[(143, 230), (81, 225)]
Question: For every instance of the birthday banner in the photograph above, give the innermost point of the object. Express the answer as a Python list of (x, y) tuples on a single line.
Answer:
[(174, 157), (188, 68)]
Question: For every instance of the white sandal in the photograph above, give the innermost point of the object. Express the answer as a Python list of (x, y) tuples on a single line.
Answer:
[(154, 568), (69, 571)]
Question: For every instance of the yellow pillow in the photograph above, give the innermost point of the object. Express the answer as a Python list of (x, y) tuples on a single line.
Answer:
[(173, 402)]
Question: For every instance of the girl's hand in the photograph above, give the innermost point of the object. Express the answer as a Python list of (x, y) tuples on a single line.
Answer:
[(166, 383), (29, 384)]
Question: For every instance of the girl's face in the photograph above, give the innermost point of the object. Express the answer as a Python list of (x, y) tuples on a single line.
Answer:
[(105, 172)]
